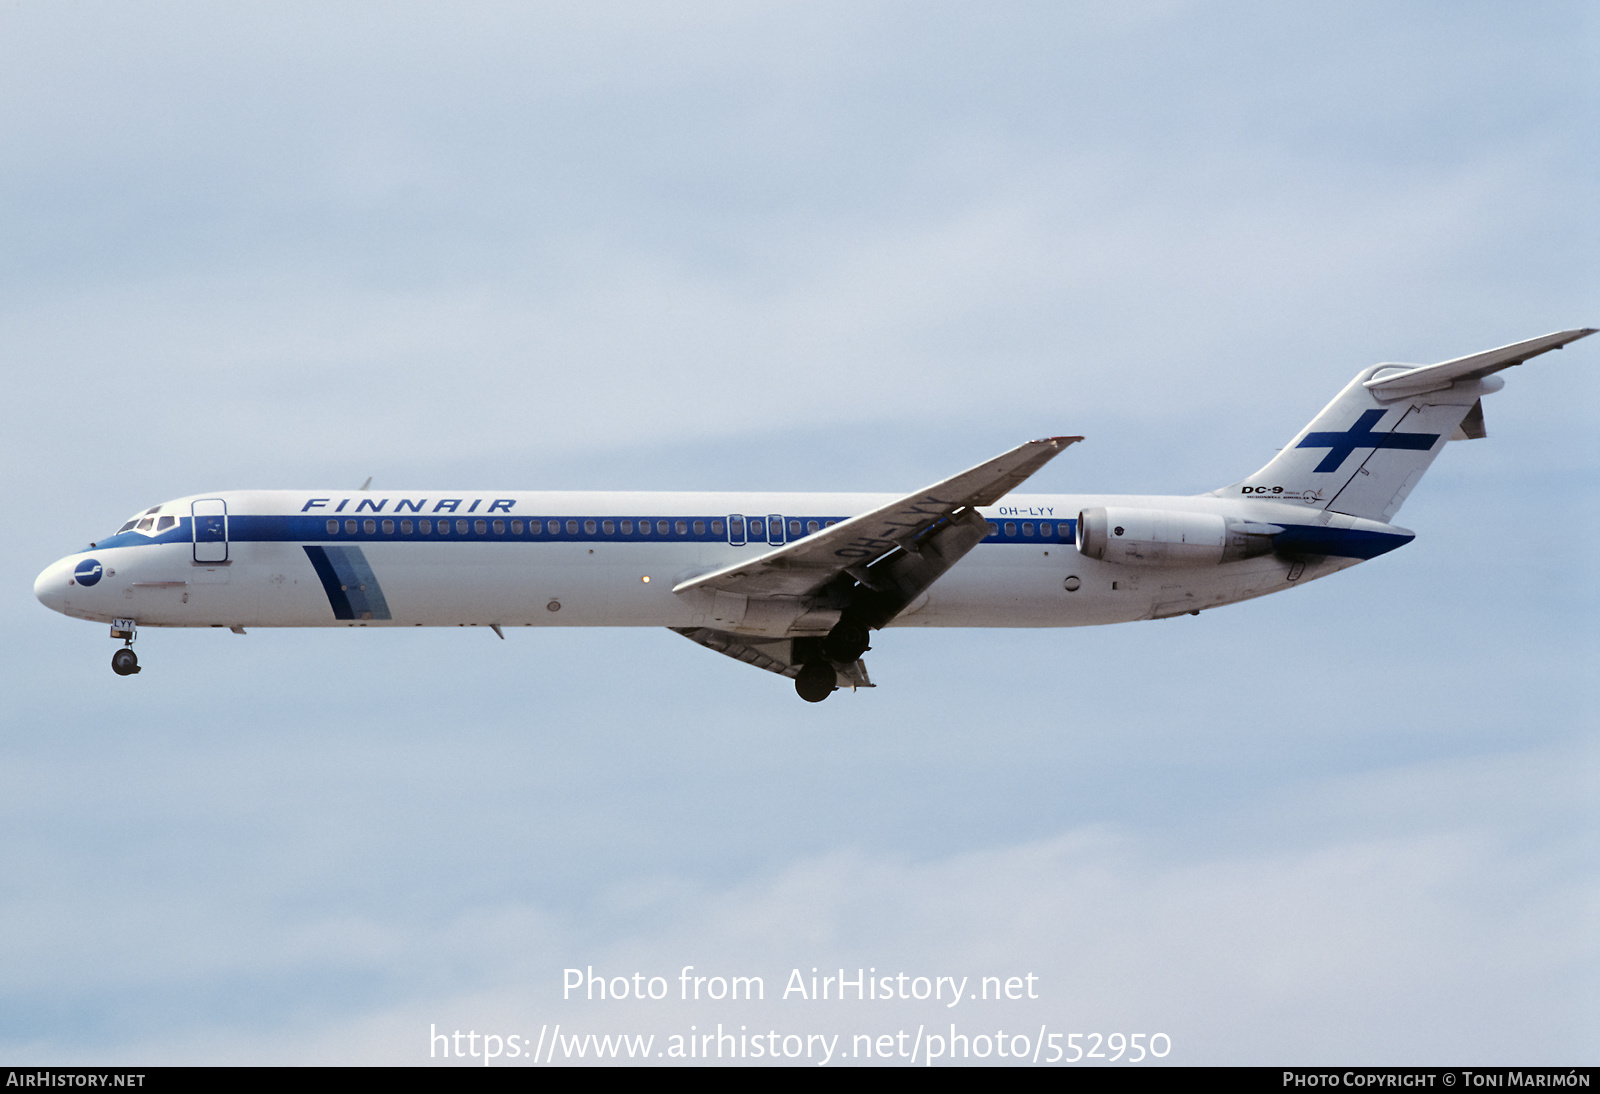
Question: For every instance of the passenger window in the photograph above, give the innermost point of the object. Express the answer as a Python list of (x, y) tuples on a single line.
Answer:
[(794, 528), (994, 529), (165, 522), (481, 527), (608, 527), (350, 527), (811, 526), (572, 527), (1045, 530), (831, 523), (1027, 528), (405, 528), (333, 527), (1011, 528), (461, 526), (682, 527), (716, 528), (388, 527), (516, 527), (370, 527), (662, 526), (444, 528), (699, 527), (627, 527), (499, 527), (588, 527), (644, 528), (758, 529), (426, 527)]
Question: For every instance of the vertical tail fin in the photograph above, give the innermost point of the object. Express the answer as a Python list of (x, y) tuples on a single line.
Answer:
[(1366, 450)]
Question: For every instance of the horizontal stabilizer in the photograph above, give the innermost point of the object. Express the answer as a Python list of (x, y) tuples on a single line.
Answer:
[(1424, 378)]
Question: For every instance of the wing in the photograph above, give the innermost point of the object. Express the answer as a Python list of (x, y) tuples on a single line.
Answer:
[(912, 526)]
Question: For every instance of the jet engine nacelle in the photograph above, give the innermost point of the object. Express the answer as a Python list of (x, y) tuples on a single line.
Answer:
[(1163, 537)]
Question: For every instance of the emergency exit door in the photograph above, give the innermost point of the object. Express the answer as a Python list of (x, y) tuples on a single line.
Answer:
[(210, 525)]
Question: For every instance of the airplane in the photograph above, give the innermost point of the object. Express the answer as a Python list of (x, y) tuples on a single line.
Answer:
[(793, 583)]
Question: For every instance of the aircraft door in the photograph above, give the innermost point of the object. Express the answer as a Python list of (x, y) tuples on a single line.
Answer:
[(210, 528)]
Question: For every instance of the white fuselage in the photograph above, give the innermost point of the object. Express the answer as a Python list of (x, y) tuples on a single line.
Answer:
[(474, 558)]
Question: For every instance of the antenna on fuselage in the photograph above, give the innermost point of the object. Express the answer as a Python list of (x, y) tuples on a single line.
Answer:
[(366, 484)]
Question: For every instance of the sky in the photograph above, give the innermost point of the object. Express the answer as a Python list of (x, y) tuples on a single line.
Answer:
[(786, 246)]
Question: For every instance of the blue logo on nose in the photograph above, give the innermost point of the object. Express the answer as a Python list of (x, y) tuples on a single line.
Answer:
[(88, 571)]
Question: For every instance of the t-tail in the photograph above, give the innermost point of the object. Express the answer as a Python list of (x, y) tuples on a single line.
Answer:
[(1363, 454)]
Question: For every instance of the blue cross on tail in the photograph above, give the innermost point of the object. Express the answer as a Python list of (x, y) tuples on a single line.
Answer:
[(1360, 435)]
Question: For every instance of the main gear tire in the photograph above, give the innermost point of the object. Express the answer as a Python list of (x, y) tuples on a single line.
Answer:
[(816, 681), (848, 640), (124, 662)]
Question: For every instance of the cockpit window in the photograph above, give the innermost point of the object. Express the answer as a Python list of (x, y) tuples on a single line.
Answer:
[(148, 522)]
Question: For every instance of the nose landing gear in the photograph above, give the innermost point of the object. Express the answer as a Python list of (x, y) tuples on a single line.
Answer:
[(124, 662)]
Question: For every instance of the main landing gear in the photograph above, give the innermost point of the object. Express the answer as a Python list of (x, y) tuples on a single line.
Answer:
[(844, 645), (124, 662), (848, 640), (816, 681)]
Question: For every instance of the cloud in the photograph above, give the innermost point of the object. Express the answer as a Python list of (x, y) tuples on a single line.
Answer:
[(1394, 917)]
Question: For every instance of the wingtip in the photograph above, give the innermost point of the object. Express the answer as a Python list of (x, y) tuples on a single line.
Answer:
[(1061, 441)]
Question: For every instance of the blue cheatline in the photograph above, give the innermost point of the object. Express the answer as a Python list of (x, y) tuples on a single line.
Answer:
[(352, 588)]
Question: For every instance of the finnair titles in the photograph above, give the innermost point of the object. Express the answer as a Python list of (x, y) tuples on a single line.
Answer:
[(795, 584)]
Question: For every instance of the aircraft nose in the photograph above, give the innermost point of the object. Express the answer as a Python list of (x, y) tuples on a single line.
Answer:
[(51, 585)]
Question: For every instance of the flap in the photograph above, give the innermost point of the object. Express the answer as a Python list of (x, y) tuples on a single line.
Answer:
[(775, 655)]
